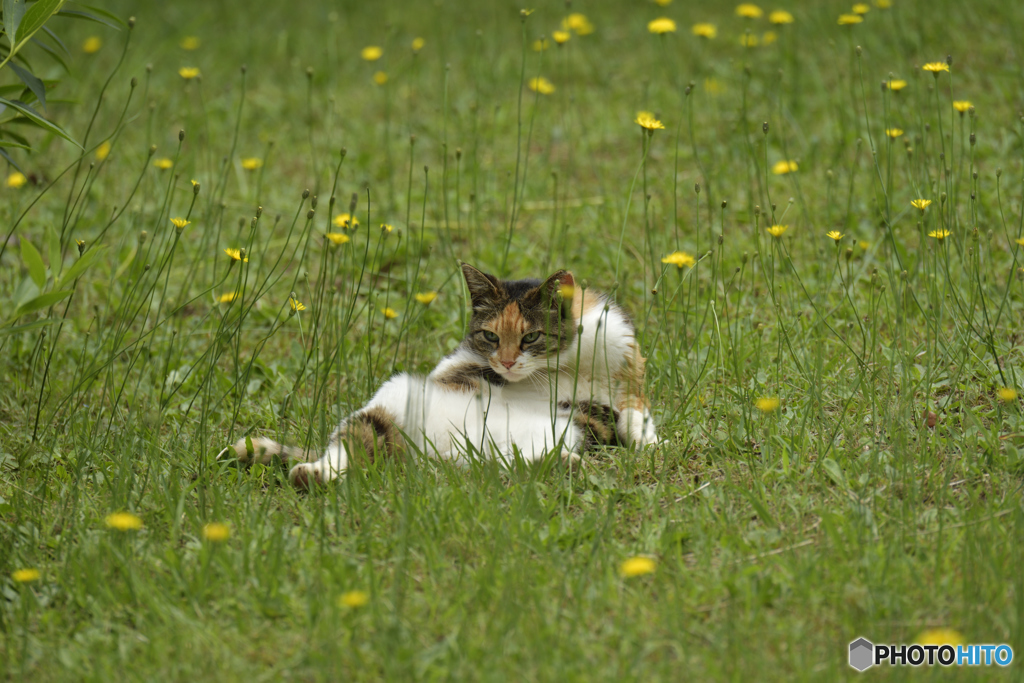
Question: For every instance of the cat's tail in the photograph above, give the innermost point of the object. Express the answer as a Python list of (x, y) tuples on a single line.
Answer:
[(262, 450)]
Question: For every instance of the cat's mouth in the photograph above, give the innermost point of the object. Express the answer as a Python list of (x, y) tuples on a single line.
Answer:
[(514, 374)]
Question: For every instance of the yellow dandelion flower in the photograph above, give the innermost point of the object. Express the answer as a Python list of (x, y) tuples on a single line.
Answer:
[(236, 255), (343, 220), (679, 259), (897, 84), (425, 297), (661, 26), (861, 8), (417, 44), (894, 132), (385, 227), (834, 234), (337, 237), (961, 105), (1006, 394), (540, 45), (353, 599), (936, 67), (228, 297), (749, 10), (849, 19), (920, 204), (662, 3), (103, 151), (577, 23), (371, 53), (296, 304), (390, 313), (541, 85), (195, 183), (749, 40), (767, 404), (179, 223), (785, 166), (883, 4), (16, 180), (380, 77), (713, 86), (780, 16), (769, 37), (561, 37), (940, 636), (189, 43), (863, 244), (637, 566), (1020, 241), (704, 30), (646, 120), (940, 234), (216, 532), (163, 163), (567, 291), (92, 45), (25, 575), (123, 521), (252, 163), (189, 72), (777, 230)]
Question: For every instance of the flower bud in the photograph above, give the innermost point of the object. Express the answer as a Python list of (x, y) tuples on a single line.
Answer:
[(181, 135)]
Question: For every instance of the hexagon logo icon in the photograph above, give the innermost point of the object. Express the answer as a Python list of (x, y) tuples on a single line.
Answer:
[(861, 654)]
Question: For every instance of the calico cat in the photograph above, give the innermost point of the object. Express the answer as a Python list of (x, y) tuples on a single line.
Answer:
[(545, 365)]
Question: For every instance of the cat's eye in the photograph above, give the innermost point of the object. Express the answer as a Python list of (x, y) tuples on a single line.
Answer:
[(490, 336), (530, 338)]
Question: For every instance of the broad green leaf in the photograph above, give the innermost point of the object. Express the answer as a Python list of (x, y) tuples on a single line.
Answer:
[(33, 83), (100, 16), (14, 10), (4, 331), (79, 266), (53, 246), (34, 18), (34, 262), (40, 302), (36, 119), (834, 472)]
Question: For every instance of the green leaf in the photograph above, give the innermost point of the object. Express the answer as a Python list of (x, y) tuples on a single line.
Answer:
[(33, 83), (28, 326), (34, 18), (7, 156), (14, 10), (100, 16), (12, 143), (34, 262), (53, 246), (834, 472), (80, 266), (52, 52), (40, 302), (36, 119)]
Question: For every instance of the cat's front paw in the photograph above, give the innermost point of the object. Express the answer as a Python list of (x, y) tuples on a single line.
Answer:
[(304, 476), (637, 428), (572, 461)]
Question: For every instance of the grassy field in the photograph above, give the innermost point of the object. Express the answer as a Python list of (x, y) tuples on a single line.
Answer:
[(843, 448)]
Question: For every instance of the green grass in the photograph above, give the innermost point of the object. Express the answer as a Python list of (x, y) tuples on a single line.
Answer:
[(779, 537)]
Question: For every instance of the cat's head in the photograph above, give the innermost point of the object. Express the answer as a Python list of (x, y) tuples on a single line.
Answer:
[(520, 326)]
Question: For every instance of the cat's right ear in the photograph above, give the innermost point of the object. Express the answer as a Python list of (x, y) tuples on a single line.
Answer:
[(482, 287)]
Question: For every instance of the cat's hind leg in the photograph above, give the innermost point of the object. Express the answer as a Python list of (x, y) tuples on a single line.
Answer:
[(263, 451)]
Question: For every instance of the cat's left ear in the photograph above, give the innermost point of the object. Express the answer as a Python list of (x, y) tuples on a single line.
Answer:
[(557, 291)]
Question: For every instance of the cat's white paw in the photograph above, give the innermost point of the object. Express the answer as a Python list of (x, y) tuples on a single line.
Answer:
[(572, 461), (638, 428)]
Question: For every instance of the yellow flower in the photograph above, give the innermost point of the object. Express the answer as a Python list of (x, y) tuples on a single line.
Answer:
[(749, 11), (646, 120), (777, 230), (337, 237), (296, 304), (163, 163), (712, 86), (637, 566), (940, 636), (343, 220), (834, 234), (390, 313), (883, 4), (384, 227), (561, 37), (541, 85), (1006, 394), (252, 163), (189, 43), (417, 44), (920, 204), (780, 16), (894, 132), (863, 244), (353, 599), (227, 298), (769, 37), (861, 8), (179, 223), (663, 3), (123, 521), (704, 31), (92, 45), (936, 67), (748, 40), (849, 19), (680, 259), (236, 255), (195, 183), (540, 45), (16, 180), (103, 151), (567, 291), (578, 23), (425, 297), (783, 167), (188, 72), (961, 105), (371, 53), (380, 77), (897, 84), (1020, 241), (940, 234), (662, 25), (767, 404), (216, 532), (26, 575)]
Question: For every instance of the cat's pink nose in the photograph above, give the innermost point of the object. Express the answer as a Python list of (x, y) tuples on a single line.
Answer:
[(508, 364)]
